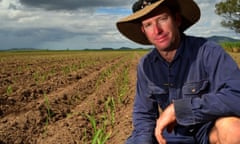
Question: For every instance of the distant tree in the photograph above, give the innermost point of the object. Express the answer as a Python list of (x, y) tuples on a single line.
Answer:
[(230, 11)]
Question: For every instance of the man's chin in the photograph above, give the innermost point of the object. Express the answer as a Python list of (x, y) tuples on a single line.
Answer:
[(163, 46)]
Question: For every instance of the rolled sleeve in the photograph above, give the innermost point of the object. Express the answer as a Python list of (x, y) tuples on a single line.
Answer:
[(183, 111)]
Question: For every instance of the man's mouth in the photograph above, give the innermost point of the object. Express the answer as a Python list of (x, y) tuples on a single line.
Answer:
[(161, 38)]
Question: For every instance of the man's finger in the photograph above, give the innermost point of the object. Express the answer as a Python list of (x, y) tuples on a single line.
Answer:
[(159, 136), (161, 139)]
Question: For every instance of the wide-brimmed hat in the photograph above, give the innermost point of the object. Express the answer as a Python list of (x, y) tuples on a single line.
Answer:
[(130, 26)]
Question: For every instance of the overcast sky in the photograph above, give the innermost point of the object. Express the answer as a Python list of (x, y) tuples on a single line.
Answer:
[(80, 24)]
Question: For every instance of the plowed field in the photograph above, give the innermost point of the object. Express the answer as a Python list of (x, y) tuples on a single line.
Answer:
[(70, 97), (67, 97)]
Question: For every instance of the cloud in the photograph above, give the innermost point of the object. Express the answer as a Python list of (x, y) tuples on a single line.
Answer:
[(12, 38), (58, 29), (73, 4), (77, 24), (209, 23)]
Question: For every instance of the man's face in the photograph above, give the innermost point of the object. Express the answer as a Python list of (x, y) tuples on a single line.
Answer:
[(161, 29)]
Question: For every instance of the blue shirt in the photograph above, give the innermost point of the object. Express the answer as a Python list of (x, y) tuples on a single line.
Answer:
[(203, 83)]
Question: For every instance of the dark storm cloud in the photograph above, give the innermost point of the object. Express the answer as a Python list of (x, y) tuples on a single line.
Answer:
[(12, 6), (74, 4), (31, 37)]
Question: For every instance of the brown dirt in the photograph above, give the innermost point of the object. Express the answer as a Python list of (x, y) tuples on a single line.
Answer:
[(45, 97)]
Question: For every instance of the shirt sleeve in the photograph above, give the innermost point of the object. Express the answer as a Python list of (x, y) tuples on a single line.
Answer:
[(145, 110), (223, 99)]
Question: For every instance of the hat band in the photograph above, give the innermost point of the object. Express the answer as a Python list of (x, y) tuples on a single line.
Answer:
[(140, 4)]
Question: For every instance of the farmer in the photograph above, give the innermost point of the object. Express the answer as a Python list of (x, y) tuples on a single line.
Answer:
[(188, 88)]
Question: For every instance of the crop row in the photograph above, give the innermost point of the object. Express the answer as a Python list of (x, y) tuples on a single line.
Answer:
[(83, 100)]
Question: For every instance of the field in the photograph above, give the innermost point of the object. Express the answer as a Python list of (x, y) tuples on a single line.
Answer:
[(231, 46), (67, 97)]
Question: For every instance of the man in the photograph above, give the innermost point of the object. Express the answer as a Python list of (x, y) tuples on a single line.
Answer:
[(188, 88)]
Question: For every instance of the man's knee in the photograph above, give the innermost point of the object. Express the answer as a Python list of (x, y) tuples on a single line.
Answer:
[(227, 130)]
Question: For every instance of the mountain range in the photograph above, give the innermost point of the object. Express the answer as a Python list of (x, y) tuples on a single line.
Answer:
[(220, 39)]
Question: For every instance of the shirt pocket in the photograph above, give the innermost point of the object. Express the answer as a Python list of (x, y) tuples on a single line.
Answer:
[(195, 89), (159, 94)]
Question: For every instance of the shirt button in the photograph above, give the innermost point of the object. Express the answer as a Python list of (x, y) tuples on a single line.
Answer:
[(193, 90), (191, 130)]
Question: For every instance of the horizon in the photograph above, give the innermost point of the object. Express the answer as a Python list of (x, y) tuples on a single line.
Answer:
[(219, 38)]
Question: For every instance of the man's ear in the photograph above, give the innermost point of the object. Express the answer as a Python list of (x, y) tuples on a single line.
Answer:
[(142, 29), (178, 19)]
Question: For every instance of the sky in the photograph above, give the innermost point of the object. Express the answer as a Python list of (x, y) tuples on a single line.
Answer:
[(83, 24)]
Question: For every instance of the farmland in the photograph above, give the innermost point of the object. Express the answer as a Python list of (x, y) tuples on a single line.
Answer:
[(67, 97)]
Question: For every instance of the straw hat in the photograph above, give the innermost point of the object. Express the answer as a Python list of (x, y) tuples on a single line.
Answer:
[(130, 26)]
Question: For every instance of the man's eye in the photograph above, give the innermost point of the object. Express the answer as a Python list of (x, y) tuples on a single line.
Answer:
[(161, 19), (147, 25)]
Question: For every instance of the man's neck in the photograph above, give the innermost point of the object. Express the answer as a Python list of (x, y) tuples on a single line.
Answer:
[(168, 55)]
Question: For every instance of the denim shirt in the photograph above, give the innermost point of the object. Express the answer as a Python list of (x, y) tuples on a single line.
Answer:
[(203, 83)]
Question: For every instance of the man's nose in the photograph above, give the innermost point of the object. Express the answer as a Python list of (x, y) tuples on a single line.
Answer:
[(157, 28)]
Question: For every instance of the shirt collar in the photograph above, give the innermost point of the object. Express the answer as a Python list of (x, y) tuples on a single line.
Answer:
[(180, 50)]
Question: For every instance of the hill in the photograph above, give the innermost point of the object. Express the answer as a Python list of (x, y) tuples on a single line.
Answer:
[(220, 39)]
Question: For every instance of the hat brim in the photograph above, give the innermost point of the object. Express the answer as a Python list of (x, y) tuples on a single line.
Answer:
[(131, 27)]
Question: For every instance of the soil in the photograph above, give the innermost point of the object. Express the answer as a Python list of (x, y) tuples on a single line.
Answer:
[(46, 98)]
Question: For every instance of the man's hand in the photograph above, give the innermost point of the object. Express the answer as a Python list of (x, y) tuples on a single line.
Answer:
[(166, 120)]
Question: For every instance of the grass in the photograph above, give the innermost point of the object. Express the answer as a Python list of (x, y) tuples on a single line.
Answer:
[(9, 90), (49, 112), (231, 46), (100, 136), (122, 82), (110, 108)]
